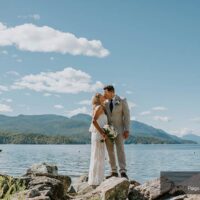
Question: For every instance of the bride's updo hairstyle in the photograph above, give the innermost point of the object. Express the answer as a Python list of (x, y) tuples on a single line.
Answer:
[(96, 99)]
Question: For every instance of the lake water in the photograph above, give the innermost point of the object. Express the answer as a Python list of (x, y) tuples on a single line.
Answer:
[(144, 162)]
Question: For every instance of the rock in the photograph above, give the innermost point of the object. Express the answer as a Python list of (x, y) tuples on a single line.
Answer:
[(134, 194), (193, 197), (81, 186), (134, 183), (152, 189), (48, 186), (111, 189), (180, 197), (186, 197), (42, 187), (33, 193), (83, 178), (43, 168), (71, 190), (41, 182), (65, 180)]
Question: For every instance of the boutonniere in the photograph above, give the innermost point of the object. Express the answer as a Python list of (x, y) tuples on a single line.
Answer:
[(117, 102)]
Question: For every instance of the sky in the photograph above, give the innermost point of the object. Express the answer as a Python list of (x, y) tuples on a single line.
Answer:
[(55, 55)]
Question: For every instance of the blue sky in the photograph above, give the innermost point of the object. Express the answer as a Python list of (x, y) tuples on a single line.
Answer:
[(54, 55)]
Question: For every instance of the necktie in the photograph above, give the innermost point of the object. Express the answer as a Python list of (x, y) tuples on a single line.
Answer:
[(111, 105)]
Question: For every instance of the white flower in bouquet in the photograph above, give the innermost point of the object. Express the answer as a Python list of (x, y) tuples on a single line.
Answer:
[(110, 132)]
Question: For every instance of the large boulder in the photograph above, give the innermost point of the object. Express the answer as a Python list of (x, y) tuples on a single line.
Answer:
[(152, 189), (43, 168), (111, 189), (81, 185), (43, 183)]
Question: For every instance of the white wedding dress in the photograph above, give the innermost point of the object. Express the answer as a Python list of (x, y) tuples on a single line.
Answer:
[(97, 159)]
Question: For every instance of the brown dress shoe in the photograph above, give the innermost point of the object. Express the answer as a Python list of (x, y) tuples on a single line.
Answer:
[(124, 175), (112, 174)]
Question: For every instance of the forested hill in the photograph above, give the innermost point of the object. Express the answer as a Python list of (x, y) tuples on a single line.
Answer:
[(55, 129)]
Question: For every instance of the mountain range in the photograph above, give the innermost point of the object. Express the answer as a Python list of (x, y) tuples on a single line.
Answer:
[(58, 129), (192, 137)]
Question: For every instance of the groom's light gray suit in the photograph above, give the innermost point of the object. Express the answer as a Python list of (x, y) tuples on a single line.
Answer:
[(120, 119)]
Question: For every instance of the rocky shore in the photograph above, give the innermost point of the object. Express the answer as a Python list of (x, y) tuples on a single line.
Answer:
[(42, 182)]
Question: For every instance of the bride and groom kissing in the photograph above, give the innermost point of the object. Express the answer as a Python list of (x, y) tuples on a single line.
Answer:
[(108, 108)]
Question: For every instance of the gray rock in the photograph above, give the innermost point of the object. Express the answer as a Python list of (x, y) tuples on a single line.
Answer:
[(43, 168), (33, 193), (71, 190), (43, 182), (193, 197), (82, 188), (65, 180), (81, 185), (152, 189), (179, 197), (111, 189), (55, 187), (134, 194)]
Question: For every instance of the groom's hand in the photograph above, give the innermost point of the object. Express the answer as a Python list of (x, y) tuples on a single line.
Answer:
[(126, 134)]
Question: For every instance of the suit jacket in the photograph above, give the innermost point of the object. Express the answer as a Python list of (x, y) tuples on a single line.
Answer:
[(120, 115)]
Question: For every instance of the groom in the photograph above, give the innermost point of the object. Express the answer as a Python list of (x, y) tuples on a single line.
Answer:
[(118, 115)]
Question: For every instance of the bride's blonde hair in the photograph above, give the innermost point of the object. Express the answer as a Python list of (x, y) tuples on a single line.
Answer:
[(96, 99)]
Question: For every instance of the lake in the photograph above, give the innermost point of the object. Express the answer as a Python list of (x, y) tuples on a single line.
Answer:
[(144, 162)]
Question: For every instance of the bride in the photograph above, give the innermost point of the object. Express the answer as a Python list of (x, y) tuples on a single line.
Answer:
[(97, 159)]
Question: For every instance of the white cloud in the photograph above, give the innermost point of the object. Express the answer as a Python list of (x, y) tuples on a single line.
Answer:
[(24, 106), (34, 16), (162, 118), (129, 92), (7, 100), (19, 60), (197, 119), (183, 131), (3, 88), (131, 105), (47, 94), (2, 27), (145, 113), (14, 55), (58, 106), (133, 117), (159, 108), (33, 38), (68, 80), (4, 52), (82, 110), (14, 73), (5, 108), (85, 102), (57, 95)]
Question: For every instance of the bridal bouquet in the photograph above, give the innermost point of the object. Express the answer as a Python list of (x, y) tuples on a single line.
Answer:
[(110, 132)]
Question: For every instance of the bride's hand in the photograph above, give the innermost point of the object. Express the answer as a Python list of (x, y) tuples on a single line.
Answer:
[(104, 135)]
